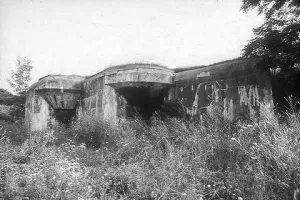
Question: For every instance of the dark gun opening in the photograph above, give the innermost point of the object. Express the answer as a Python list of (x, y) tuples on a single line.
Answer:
[(143, 101), (65, 116)]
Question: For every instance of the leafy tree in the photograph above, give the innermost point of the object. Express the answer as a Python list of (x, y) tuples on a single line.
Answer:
[(276, 41), (277, 45), (20, 78), (272, 8), (19, 82)]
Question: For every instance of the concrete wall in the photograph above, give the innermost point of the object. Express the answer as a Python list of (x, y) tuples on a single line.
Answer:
[(235, 85), (37, 112), (99, 99), (100, 91), (51, 93)]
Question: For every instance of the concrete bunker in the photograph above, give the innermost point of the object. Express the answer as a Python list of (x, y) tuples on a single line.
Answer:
[(111, 95)]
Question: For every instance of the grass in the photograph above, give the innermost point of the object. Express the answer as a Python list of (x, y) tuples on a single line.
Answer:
[(171, 159)]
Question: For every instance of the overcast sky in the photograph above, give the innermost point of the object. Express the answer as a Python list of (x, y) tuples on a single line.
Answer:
[(85, 36)]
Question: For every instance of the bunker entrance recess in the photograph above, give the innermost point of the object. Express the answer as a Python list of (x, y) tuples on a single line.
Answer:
[(62, 94), (142, 87), (143, 101), (65, 116), (63, 103)]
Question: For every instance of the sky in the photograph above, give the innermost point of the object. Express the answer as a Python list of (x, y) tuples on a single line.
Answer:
[(84, 37)]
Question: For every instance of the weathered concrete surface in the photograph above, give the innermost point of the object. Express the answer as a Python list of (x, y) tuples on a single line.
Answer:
[(137, 75), (115, 92), (37, 112), (60, 92), (51, 93), (235, 85), (101, 92)]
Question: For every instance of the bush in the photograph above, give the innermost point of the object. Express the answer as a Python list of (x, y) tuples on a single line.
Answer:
[(38, 171), (17, 133), (91, 131)]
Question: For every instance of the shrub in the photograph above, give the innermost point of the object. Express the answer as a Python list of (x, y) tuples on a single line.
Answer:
[(16, 132), (46, 172), (91, 131)]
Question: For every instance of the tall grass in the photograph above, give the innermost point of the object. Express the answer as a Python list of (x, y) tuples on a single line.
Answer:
[(170, 159)]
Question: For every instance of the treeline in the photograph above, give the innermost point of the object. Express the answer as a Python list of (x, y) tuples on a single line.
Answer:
[(7, 98), (12, 106)]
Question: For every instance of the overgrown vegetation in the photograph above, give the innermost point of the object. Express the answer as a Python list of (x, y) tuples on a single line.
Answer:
[(276, 43), (171, 159), (19, 82), (11, 106)]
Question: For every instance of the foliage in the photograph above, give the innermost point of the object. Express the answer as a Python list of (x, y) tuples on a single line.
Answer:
[(88, 130), (17, 133), (276, 47), (276, 43), (4, 112), (4, 96), (7, 98), (11, 106), (20, 78), (271, 7), (171, 159), (19, 81)]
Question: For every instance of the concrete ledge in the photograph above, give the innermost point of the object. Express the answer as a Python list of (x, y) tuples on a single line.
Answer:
[(59, 91), (59, 82), (135, 75), (60, 100)]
